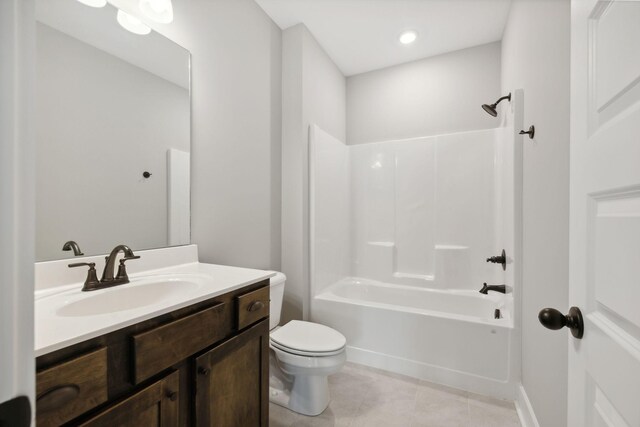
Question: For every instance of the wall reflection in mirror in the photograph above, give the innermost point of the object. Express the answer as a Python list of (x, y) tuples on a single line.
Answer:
[(113, 134)]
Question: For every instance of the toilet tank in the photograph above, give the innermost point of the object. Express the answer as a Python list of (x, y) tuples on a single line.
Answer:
[(276, 291)]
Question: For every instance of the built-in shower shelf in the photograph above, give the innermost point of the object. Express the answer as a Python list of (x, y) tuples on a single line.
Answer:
[(383, 244), (451, 247), (425, 277)]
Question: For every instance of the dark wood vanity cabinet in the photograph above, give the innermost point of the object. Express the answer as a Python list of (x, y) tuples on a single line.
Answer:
[(205, 365), (232, 382)]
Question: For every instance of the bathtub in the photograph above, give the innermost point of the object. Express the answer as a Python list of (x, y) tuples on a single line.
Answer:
[(446, 336)]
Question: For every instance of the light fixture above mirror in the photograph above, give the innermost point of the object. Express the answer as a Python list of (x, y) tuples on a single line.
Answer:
[(158, 10), (133, 24)]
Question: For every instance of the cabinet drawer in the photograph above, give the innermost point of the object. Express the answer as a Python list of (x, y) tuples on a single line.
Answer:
[(155, 405), (252, 307), (166, 345), (71, 388)]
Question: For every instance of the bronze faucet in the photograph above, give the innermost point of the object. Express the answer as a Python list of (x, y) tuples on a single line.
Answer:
[(109, 267), (71, 245), (92, 283)]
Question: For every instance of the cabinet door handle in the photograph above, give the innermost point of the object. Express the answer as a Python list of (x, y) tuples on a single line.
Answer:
[(203, 371), (172, 396), (57, 397), (255, 306)]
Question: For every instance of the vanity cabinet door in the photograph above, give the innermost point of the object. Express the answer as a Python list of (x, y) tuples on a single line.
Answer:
[(155, 405), (232, 381)]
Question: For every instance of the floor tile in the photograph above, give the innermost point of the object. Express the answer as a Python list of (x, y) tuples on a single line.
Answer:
[(487, 412), (368, 397), (454, 413)]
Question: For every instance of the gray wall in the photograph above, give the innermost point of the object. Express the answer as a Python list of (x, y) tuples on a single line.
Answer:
[(236, 129), (535, 57), (314, 92), (17, 199), (101, 122), (436, 95)]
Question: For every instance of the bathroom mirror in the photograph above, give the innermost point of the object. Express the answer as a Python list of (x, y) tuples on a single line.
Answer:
[(113, 133)]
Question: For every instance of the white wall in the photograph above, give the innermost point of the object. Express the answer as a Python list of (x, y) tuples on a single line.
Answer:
[(329, 209), (535, 57), (17, 198), (102, 121), (432, 96), (314, 92), (236, 129)]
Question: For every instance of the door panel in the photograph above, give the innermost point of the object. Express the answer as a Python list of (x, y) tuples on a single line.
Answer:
[(614, 68), (604, 369), (616, 255)]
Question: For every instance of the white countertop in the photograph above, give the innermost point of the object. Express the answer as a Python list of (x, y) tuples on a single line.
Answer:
[(54, 331)]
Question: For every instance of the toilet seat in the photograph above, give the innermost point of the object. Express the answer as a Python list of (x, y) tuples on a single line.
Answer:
[(305, 353), (308, 339)]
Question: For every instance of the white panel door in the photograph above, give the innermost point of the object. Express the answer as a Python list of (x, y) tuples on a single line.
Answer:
[(604, 367)]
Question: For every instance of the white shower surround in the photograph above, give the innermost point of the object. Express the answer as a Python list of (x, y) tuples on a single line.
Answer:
[(399, 234), (425, 211)]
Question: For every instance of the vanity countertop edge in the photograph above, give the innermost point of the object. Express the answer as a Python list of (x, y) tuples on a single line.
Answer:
[(54, 332)]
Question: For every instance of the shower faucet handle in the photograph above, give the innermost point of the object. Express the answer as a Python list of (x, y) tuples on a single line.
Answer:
[(531, 132), (499, 259)]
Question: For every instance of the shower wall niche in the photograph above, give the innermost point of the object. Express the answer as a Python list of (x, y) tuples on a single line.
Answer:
[(423, 212)]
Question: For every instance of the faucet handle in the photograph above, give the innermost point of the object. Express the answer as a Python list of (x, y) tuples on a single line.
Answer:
[(82, 264), (499, 259), (91, 283), (122, 269), (92, 265)]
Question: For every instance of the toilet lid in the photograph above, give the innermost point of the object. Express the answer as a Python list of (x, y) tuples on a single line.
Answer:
[(308, 337)]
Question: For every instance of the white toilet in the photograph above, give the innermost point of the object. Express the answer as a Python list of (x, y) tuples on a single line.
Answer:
[(302, 356)]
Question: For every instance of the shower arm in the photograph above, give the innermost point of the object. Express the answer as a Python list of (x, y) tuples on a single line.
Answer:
[(507, 97)]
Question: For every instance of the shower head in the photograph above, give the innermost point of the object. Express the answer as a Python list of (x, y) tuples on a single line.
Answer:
[(491, 109)]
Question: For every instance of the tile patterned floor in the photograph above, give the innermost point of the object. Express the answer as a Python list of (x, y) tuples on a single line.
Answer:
[(362, 396)]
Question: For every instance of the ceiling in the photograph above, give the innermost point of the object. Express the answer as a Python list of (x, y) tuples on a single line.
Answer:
[(362, 35)]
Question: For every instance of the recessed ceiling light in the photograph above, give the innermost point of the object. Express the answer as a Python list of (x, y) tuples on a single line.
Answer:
[(408, 37), (94, 3), (133, 24)]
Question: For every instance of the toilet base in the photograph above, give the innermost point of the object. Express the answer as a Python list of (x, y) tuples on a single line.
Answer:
[(306, 394)]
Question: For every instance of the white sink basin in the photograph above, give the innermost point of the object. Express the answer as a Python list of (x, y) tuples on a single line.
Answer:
[(141, 295), (127, 297)]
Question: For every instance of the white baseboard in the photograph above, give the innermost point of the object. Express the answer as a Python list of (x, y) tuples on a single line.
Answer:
[(524, 408), (436, 374)]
